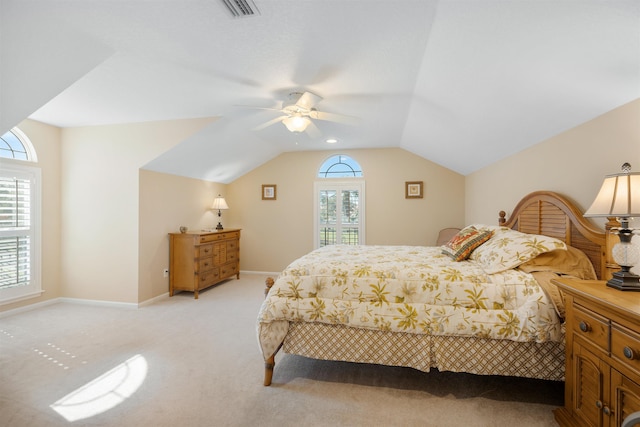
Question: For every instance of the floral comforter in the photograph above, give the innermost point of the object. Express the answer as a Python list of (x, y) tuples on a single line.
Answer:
[(411, 289)]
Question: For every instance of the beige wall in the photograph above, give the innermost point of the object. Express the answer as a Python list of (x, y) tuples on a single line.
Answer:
[(46, 142), (105, 221), (274, 233), (100, 204), (572, 163), (166, 203)]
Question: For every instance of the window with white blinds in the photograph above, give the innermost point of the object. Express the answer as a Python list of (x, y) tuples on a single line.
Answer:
[(19, 236), (339, 203), (15, 221)]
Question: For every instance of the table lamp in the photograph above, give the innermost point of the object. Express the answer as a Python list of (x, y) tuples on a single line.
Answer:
[(619, 197), (219, 204)]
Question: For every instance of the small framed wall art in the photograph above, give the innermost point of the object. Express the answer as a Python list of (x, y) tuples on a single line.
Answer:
[(268, 191), (413, 190)]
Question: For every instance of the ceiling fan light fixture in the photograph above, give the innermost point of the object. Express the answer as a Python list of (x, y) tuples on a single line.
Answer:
[(296, 123)]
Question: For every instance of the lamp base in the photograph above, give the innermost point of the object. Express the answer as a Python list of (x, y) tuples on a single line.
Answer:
[(624, 281), (219, 226)]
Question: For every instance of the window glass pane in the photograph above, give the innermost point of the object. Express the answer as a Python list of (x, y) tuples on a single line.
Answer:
[(350, 207), (340, 166), (349, 236), (12, 141), (15, 203), (328, 207), (14, 261), (327, 236), (12, 147)]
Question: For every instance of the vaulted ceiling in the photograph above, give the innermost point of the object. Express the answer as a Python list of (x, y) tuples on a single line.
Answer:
[(461, 83)]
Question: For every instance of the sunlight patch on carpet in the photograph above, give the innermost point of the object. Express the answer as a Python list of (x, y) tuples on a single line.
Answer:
[(104, 392)]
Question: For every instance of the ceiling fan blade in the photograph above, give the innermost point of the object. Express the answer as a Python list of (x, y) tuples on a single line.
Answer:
[(270, 122), (307, 100), (313, 130), (330, 117), (253, 107)]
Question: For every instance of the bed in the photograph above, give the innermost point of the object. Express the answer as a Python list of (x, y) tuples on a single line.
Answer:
[(485, 308)]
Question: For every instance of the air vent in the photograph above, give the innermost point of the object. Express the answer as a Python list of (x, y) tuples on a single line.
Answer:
[(241, 8)]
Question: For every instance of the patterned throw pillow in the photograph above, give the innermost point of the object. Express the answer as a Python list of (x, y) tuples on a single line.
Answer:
[(462, 244), (508, 249)]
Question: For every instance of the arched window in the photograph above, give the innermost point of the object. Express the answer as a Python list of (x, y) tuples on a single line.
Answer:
[(339, 203), (15, 145), (340, 166), (20, 195)]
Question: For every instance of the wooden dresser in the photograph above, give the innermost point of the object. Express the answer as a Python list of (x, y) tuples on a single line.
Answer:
[(602, 378), (198, 260)]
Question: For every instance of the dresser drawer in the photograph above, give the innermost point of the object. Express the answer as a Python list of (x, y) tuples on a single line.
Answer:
[(215, 237), (625, 346), (235, 235), (205, 264), (205, 251), (207, 238), (591, 326), (228, 270), (232, 246), (208, 277)]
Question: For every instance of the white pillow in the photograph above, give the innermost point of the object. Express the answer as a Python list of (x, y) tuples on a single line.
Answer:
[(508, 249)]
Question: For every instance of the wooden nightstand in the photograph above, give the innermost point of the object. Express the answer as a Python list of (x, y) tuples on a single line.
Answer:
[(602, 377)]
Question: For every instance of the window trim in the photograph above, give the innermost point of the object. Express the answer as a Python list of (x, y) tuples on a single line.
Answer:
[(18, 168)]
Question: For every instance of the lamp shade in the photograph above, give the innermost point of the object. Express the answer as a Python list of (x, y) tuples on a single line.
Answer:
[(219, 203), (296, 123), (619, 196)]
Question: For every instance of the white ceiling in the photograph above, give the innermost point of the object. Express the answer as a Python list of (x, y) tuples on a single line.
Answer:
[(461, 83)]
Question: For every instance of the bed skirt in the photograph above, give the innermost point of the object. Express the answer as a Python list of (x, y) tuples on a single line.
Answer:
[(446, 353)]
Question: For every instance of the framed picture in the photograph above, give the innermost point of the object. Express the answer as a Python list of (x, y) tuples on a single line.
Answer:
[(268, 192), (413, 190)]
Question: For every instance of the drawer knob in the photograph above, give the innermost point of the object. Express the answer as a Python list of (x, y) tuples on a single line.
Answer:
[(606, 410), (584, 326), (599, 404), (629, 353)]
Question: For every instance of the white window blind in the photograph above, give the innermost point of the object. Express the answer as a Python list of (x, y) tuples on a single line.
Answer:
[(15, 231), (20, 212)]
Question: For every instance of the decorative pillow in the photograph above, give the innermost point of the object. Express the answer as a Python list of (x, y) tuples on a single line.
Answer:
[(572, 262), (508, 249), (462, 244), (495, 228)]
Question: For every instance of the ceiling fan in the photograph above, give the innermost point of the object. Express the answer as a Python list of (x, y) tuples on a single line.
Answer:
[(298, 112)]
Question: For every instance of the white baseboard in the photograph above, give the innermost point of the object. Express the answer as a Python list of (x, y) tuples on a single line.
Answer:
[(112, 303), (28, 307), (98, 302), (153, 300)]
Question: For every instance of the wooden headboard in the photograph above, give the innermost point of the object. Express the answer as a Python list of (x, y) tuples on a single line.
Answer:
[(550, 214)]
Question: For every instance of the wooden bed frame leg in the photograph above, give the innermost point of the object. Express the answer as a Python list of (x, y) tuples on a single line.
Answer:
[(269, 364), (268, 369), (268, 283)]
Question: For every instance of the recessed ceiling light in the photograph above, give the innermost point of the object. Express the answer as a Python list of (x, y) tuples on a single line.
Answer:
[(331, 141)]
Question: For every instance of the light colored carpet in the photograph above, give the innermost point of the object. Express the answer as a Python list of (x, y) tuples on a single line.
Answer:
[(186, 362)]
